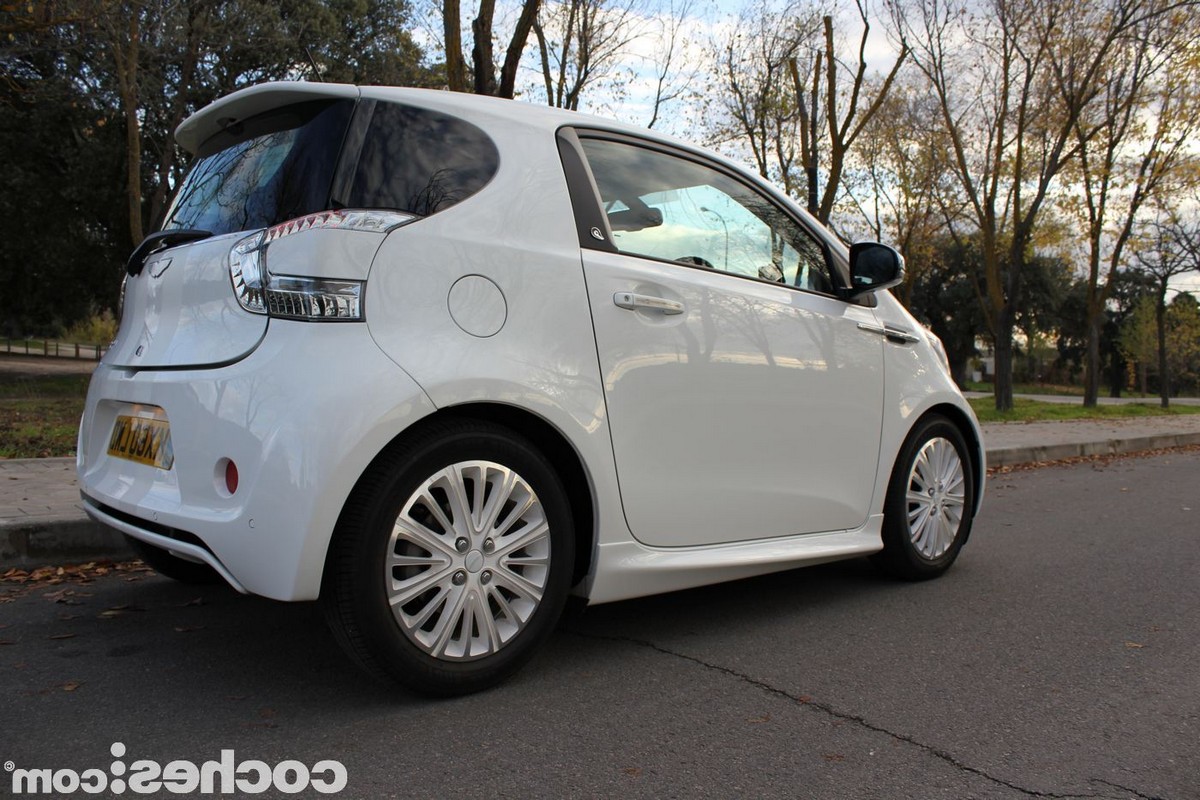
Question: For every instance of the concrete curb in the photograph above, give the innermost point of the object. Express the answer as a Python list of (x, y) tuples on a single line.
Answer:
[(1008, 456), (30, 542), (38, 541)]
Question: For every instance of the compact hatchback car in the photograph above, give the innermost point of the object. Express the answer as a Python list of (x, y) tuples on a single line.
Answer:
[(442, 361)]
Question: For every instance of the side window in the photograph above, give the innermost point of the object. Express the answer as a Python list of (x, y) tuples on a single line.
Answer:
[(420, 161), (675, 209)]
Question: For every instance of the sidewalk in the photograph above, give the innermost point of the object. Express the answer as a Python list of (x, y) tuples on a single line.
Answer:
[(42, 519)]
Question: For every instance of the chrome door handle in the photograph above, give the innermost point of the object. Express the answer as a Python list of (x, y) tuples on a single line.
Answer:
[(893, 333), (633, 301)]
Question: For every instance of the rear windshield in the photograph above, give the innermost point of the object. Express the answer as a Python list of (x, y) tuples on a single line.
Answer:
[(263, 171)]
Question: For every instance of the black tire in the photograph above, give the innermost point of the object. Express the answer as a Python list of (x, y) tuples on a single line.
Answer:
[(394, 646), (906, 553), (173, 567)]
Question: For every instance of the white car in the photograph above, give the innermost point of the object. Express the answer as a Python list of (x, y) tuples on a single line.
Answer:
[(442, 361)]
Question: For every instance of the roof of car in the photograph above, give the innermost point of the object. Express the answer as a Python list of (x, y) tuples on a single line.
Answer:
[(240, 105)]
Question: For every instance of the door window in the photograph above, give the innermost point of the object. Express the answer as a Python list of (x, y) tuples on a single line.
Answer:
[(675, 209)]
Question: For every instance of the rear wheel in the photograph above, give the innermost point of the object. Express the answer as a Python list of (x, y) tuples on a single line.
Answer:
[(930, 501), (172, 566), (452, 560)]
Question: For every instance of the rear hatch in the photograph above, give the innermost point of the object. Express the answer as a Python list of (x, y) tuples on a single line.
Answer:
[(180, 308)]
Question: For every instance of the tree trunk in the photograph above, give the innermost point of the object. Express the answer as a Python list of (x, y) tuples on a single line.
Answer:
[(1164, 375), (1003, 386), (1091, 374), (456, 73)]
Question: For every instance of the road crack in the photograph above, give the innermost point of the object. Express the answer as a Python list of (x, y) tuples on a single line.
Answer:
[(816, 705)]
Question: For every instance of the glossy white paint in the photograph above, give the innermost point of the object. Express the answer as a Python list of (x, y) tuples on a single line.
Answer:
[(477, 306), (753, 432), (753, 414), (629, 569), (184, 314), (324, 253), (293, 416)]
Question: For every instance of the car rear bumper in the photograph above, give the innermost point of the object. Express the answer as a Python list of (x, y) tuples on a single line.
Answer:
[(301, 417)]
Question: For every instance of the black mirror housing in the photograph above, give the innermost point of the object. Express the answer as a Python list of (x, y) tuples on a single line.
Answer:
[(873, 267)]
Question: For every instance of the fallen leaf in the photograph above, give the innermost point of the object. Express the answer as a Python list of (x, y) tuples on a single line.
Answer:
[(633, 772), (833, 757), (71, 686), (759, 720), (62, 636), (805, 698), (1134, 645), (7, 641)]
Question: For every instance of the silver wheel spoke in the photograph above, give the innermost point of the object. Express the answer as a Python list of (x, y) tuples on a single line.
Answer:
[(518, 584), (496, 503), (447, 622), (453, 593), (523, 539), (404, 591), (935, 498)]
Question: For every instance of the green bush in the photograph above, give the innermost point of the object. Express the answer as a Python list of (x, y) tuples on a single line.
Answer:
[(99, 328)]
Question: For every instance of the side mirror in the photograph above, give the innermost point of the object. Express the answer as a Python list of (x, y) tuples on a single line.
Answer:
[(873, 267)]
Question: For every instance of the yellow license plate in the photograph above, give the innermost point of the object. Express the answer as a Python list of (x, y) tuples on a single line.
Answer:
[(142, 439)]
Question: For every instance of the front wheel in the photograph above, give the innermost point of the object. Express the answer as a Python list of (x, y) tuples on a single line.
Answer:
[(930, 502), (452, 560)]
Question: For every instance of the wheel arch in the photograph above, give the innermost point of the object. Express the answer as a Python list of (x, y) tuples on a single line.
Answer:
[(553, 445)]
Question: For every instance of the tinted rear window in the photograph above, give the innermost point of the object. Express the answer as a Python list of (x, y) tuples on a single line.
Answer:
[(420, 161), (265, 170)]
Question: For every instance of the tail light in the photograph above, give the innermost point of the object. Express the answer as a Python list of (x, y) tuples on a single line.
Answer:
[(296, 296)]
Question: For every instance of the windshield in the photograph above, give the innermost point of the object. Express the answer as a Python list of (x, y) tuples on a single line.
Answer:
[(265, 170)]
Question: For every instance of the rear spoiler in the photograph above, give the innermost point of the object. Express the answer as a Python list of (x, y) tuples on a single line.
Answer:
[(215, 117)]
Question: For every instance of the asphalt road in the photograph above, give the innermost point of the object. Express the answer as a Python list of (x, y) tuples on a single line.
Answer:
[(1060, 657)]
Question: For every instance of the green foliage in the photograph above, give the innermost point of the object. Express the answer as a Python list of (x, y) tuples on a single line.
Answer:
[(99, 328), (1036, 411), (1139, 342)]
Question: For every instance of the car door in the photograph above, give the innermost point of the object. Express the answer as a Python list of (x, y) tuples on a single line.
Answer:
[(743, 399)]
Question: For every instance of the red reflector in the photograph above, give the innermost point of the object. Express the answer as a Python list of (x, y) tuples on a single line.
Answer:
[(231, 476)]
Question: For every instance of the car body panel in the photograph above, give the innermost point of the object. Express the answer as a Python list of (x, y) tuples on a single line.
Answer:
[(179, 311), (298, 461), (753, 414)]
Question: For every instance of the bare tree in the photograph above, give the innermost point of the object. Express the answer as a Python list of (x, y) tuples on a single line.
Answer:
[(1146, 120), (1013, 79), (483, 78), (843, 91), (670, 84), (899, 179), (757, 100), (581, 42), (1171, 248)]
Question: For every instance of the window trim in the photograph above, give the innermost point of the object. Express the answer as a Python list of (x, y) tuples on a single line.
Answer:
[(589, 207)]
